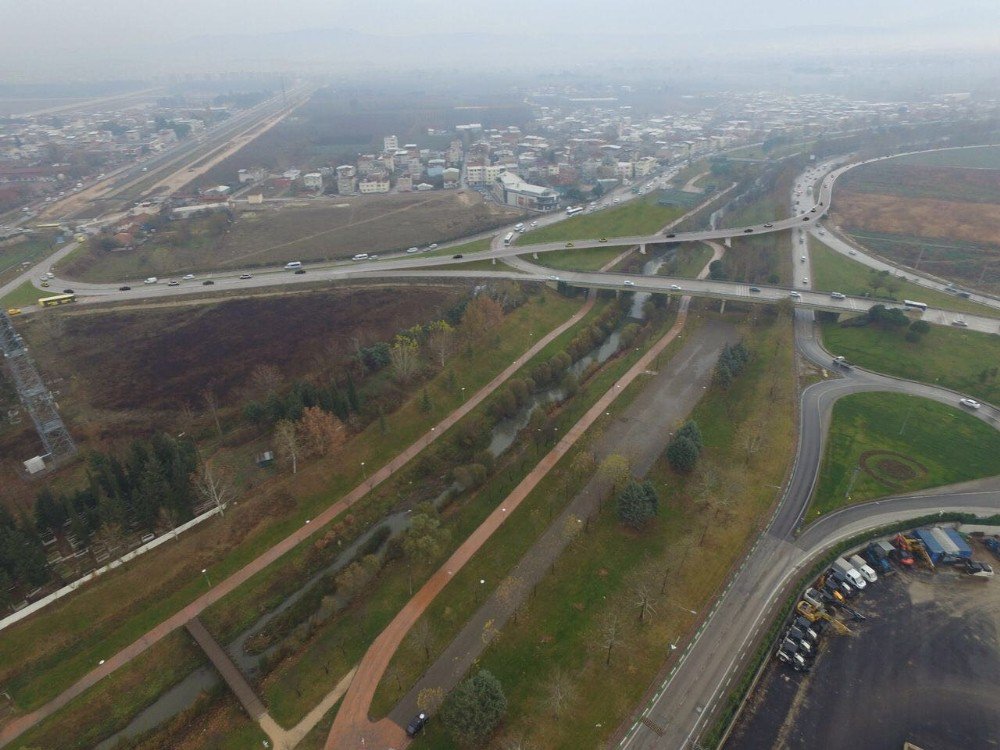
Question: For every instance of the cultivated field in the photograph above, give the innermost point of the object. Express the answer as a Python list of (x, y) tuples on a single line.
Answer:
[(976, 157), (940, 183), (322, 230)]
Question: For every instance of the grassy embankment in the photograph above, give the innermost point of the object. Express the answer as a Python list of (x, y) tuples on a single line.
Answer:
[(833, 272), (80, 630), (687, 261), (13, 254), (639, 216), (890, 443), (557, 633), (25, 295), (964, 361)]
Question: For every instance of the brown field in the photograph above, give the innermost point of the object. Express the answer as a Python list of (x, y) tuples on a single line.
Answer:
[(938, 183), (306, 230), (123, 374), (923, 217)]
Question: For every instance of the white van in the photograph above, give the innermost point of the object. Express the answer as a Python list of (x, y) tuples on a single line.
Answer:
[(293, 264), (846, 572), (151, 280), (360, 256), (863, 568)]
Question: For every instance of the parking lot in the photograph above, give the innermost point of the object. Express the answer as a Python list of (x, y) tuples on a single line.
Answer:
[(924, 667)]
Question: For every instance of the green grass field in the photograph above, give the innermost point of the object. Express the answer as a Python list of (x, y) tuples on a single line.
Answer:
[(890, 443), (475, 246), (638, 216), (27, 251), (960, 360), (585, 259), (687, 261), (976, 157), (834, 273), (24, 295)]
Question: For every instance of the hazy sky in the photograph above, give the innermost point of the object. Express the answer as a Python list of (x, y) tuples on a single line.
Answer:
[(33, 31)]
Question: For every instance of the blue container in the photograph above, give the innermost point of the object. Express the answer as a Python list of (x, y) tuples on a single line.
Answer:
[(964, 550), (933, 546)]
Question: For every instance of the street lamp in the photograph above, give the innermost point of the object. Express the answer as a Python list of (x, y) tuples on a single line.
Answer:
[(204, 572), (363, 472)]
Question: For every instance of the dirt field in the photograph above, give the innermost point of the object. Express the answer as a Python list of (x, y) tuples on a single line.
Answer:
[(940, 183), (122, 374), (922, 668)]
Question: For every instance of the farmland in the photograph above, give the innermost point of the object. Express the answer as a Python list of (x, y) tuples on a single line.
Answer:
[(940, 183), (976, 157)]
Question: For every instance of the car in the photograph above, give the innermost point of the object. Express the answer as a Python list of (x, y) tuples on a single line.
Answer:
[(13, 310), (675, 287), (755, 289), (553, 278), (432, 246), (45, 285), (768, 226), (188, 276), (970, 403), (747, 230), (805, 218), (628, 282), (207, 282), (416, 725), (68, 291), (672, 234), (245, 276), (412, 250), (124, 289), (569, 244), (372, 257), (838, 295), (364, 256), (456, 256), (534, 223), (802, 259), (603, 239), (796, 295), (50, 275), (852, 252), (805, 280), (173, 282), (964, 294), (812, 210), (960, 323), (299, 271)]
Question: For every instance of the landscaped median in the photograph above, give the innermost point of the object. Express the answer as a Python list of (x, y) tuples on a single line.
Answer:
[(891, 443), (640, 216), (118, 609), (552, 657)]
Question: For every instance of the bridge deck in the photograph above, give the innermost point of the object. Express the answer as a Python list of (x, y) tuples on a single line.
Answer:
[(225, 666)]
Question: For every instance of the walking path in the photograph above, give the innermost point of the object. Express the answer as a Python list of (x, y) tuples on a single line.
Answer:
[(352, 726), (21, 724)]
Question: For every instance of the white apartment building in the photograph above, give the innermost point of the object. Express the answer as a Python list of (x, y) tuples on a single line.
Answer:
[(374, 183)]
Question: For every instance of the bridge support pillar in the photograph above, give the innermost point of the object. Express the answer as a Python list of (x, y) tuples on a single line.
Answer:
[(722, 307), (729, 241), (642, 249), (535, 256), (494, 261)]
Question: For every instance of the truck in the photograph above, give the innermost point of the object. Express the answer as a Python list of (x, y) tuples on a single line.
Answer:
[(846, 572), (863, 568), (878, 555)]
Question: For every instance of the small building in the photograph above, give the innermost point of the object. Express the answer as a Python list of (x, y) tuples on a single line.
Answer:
[(931, 544), (450, 176), (512, 190), (255, 199), (313, 181), (952, 542), (374, 183), (346, 174)]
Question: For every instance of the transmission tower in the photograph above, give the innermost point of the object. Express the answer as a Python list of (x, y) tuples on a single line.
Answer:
[(37, 399)]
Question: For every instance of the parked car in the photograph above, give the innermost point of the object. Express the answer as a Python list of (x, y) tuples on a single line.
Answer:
[(866, 571), (410, 250), (124, 289), (299, 271), (417, 724), (173, 282)]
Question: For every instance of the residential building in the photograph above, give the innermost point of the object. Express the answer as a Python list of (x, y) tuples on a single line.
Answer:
[(451, 177), (346, 175), (390, 143), (313, 181), (376, 182)]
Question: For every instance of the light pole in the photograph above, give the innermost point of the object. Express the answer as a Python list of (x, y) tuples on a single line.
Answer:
[(204, 572), (364, 473)]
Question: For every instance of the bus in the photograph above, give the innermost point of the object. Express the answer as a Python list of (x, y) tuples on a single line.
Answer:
[(508, 239), (574, 210), (914, 305), (58, 299)]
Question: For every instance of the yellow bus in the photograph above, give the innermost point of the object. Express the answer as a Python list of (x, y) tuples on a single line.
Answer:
[(59, 299)]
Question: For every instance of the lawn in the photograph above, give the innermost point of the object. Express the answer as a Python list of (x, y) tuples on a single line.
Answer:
[(964, 361), (639, 216), (976, 157), (25, 295), (556, 632), (687, 261), (12, 255), (584, 259), (833, 272), (475, 246), (890, 443), (80, 630)]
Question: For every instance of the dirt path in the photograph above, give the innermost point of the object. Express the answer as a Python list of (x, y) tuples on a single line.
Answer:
[(352, 725), (689, 185), (21, 724)]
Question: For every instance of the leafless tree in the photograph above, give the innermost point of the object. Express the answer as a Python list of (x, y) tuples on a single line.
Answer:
[(559, 692), (617, 469), (422, 637), (212, 404), (510, 594), (644, 600), (610, 634), (430, 699), (752, 438), (265, 379), (441, 340), (215, 484), (287, 438)]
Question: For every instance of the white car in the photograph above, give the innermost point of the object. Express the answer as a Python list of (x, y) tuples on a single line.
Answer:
[(413, 250), (553, 278), (246, 276), (627, 282), (838, 295), (675, 287), (796, 295), (188, 276), (851, 252), (971, 403), (432, 246)]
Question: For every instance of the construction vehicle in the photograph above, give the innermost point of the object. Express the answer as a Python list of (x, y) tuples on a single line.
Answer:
[(806, 646), (914, 546), (811, 630), (789, 655), (817, 615)]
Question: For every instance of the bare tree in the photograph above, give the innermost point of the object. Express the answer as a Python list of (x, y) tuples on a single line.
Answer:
[(215, 484), (617, 469), (288, 442), (265, 379), (490, 632), (752, 438), (559, 692), (441, 340), (405, 357), (510, 594), (429, 700), (422, 637), (394, 675), (644, 600), (610, 634), (212, 404), (320, 431)]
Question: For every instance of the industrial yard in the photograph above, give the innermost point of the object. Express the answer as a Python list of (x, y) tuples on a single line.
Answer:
[(921, 668)]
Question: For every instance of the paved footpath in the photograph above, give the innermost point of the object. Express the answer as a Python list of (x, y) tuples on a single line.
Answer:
[(352, 728), (21, 724)]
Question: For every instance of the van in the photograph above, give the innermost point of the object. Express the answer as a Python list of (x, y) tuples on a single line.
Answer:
[(519, 227), (293, 264), (846, 572), (151, 280), (863, 568), (360, 256)]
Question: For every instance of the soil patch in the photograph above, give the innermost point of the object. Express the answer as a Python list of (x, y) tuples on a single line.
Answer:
[(890, 468)]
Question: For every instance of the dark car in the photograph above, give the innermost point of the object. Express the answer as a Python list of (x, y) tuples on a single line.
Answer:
[(124, 289), (456, 257), (747, 230), (755, 289), (68, 291), (416, 725), (299, 271), (208, 282), (805, 218), (672, 234)]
